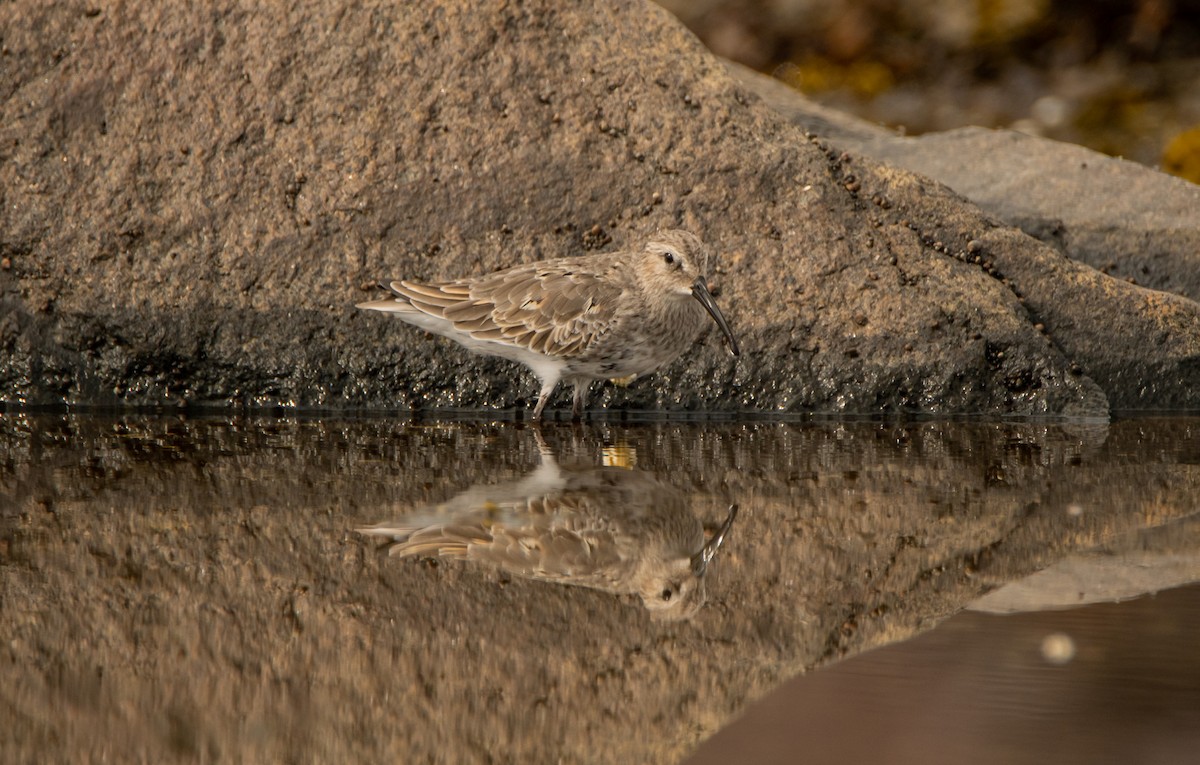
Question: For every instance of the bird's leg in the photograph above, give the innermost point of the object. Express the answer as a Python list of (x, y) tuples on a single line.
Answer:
[(543, 397), (543, 448), (580, 399)]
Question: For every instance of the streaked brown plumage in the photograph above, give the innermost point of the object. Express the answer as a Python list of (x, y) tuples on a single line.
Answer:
[(608, 528), (597, 317)]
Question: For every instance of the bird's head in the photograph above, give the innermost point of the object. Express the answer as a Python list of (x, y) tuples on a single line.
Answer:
[(675, 263), (674, 590)]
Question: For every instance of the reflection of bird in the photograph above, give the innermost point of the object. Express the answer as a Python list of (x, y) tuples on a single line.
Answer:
[(608, 528), (600, 317)]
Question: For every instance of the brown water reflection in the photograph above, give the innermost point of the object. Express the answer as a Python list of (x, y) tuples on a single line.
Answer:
[(1108, 683), (612, 528), (194, 589)]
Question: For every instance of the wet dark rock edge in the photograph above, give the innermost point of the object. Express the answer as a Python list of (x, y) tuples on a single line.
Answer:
[(209, 252)]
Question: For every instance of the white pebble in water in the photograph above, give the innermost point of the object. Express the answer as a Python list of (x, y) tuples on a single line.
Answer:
[(1058, 648)]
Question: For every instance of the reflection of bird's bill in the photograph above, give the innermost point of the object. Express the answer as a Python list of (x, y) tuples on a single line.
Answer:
[(700, 560), (701, 293)]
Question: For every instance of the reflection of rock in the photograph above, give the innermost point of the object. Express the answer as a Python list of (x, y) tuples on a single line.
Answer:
[(1092, 578), (608, 528), (278, 634)]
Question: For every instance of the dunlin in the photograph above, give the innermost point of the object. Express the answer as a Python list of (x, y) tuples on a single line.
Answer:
[(597, 317), (609, 528)]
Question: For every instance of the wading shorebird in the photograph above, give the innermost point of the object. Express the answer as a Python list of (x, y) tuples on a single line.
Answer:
[(607, 528), (611, 316)]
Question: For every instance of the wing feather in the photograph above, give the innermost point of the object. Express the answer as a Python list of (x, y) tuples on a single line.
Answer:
[(559, 307), (435, 292), (465, 311), (563, 537), (553, 554)]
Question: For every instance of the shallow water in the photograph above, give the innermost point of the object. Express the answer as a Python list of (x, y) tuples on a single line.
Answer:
[(196, 589), (1103, 683)]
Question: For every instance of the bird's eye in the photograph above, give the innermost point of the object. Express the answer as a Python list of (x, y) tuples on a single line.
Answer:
[(669, 257), (666, 594)]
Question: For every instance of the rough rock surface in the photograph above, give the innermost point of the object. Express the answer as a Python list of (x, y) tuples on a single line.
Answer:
[(1126, 220), (1120, 217), (193, 197)]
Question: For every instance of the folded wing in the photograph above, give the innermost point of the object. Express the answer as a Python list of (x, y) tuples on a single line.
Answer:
[(554, 307)]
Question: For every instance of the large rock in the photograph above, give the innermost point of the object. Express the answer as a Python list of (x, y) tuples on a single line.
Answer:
[(194, 195), (1120, 217), (1123, 219)]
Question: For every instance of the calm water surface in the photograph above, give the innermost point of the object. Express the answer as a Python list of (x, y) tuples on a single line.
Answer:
[(264, 589)]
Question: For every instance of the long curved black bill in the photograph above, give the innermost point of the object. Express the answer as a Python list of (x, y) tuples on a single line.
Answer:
[(700, 292), (700, 560)]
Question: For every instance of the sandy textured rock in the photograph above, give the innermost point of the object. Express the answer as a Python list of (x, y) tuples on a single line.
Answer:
[(193, 197), (1138, 225), (1122, 218)]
